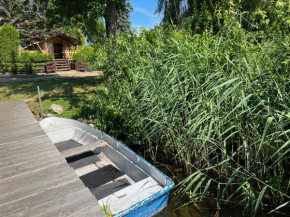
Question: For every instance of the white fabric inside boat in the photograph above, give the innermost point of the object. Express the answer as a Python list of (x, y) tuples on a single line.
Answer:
[(131, 195)]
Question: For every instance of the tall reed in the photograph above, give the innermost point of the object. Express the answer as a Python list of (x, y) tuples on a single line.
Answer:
[(219, 104)]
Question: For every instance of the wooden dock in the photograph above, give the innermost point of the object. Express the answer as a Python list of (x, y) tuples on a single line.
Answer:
[(35, 179)]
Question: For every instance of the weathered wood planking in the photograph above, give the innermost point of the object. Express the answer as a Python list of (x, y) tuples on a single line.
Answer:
[(35, 179)]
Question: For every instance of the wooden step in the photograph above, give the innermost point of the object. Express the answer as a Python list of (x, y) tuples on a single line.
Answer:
[(62, 70), (62, 67)]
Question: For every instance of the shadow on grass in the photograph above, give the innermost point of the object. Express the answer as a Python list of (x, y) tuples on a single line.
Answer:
[(74, 91)]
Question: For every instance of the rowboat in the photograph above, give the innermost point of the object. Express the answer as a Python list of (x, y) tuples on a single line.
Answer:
[(123, 183)]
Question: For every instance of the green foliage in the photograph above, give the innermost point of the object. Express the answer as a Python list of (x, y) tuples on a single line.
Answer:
[(75, 32), (217, 104), (27, 62), (94, 56), (123, 18), (23, 67), (210, 15), (29, 18), (35, 57), (89, 18), (9, 44)]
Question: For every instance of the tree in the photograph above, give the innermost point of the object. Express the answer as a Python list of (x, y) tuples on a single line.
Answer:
[(88, 14), (9, 9), (123, 18), (9, 44), (204, 14), (171, 10), (110, 16), (28, 17)]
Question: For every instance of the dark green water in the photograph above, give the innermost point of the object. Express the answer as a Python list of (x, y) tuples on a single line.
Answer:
[(206, 208)]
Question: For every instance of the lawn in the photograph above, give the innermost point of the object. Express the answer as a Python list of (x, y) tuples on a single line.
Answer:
[(69, 93)]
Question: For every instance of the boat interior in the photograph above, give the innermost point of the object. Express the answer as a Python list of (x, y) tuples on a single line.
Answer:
[(114, 174)]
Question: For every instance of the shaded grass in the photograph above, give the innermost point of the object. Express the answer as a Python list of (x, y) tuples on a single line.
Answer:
[(69, 93)]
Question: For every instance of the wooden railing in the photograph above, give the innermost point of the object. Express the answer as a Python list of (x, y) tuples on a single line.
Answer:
[(67, 60), (81, 66), (50, 66)]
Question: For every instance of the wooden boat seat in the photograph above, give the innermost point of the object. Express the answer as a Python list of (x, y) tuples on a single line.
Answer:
[(83, 148), (82, 160), (63, 146)]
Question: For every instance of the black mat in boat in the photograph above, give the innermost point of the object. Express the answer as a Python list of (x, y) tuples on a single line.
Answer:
[(83, 159), (101, 176), (80, 156), (105, 190), (62, 146)]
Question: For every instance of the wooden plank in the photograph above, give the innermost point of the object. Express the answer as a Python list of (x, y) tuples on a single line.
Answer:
[(40, 198), (35, 179)]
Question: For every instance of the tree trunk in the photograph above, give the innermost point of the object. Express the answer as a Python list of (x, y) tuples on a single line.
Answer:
[(111, 18), (177, 11)]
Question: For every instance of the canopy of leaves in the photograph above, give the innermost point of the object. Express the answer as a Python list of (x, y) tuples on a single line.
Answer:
[(88, 15), (28, 17), (201, 15)]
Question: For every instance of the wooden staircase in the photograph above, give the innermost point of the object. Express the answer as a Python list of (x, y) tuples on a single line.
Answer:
[(62, 65)]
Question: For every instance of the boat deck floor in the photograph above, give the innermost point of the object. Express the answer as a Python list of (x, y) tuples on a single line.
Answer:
[(35, 179), (97, 172)]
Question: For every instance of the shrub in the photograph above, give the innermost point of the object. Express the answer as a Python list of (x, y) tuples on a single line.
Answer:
[(10, 60), (94, 56), (34, 57), (9, 44), (28, 62), (27, 67)]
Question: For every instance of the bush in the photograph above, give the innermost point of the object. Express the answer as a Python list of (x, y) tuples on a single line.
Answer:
[(94, 56), (23, 67), (35, 57), (28, 62), (9, 44), (10, 60)]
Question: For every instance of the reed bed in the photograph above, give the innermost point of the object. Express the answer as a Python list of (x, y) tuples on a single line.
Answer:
[(218, 105)]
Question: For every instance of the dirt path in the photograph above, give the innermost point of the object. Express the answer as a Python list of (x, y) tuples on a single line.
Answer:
[(43, 76)]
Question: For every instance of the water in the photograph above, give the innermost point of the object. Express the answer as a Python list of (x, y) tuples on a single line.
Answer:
[(207, 208)]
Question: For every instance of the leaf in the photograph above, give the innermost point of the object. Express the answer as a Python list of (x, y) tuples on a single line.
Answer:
[(225, 83), (218, 195), (198, 185), (230, 181), (242, 102), (205, 189), (240, 186), (268, 123), (279, 207), (259, 200)]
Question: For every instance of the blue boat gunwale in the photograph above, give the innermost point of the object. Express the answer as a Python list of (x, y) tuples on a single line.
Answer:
[(167, 186)]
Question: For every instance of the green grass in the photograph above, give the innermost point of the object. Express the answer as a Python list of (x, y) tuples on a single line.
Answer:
[(70, 93)]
